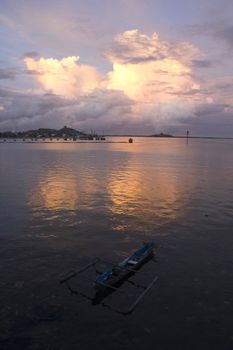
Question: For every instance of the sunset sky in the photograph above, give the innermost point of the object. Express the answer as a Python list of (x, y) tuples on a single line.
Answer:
[(118, 66)]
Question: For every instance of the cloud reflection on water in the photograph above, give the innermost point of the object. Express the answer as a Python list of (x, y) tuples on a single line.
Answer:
[(129, 190), (55, 191)]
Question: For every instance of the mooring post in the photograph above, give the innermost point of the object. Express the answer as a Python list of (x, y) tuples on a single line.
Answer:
[(187, 136)]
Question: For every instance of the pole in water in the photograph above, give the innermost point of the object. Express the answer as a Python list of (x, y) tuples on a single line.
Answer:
[(187, 135)]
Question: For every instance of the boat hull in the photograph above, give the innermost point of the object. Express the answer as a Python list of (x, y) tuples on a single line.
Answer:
[(120, 273)]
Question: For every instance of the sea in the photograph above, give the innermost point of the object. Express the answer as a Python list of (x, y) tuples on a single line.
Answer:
[(62, 204)]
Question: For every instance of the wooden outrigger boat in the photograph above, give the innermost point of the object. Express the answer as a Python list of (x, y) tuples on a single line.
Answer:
[(110, 280), (124, 269)]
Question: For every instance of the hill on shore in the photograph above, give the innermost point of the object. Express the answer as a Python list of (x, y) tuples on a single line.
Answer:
[(43, 132)]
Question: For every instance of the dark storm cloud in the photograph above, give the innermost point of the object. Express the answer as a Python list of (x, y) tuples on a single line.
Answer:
[(101, 109), (208, 120), (212, 109), (110, 111), (23, 108), (213, 121)]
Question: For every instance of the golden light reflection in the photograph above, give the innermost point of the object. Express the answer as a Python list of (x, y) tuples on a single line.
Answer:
[(55, 192), (129, 195), (148, 196), (62, 189), (140, 188)]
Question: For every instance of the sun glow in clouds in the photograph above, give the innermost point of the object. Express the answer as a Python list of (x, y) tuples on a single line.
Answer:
[(148, 71), (64, 77)]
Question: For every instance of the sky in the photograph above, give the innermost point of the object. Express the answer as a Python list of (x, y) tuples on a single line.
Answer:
[(117, 66)]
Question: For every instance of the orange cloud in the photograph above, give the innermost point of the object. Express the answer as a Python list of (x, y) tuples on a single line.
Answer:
[(155, 74), (65, 77), (152, 81), (148, 69)]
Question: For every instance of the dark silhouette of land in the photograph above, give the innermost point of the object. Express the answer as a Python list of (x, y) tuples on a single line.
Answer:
[(65, 132)]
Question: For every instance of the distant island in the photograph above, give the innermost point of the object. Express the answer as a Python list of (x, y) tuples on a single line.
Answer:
[(161, 135), (65, 133)]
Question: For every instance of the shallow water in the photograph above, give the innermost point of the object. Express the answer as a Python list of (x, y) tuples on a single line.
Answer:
[(62, 204)]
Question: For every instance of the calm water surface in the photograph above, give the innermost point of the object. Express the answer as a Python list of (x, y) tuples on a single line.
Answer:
[(63, 204), (144, 188)]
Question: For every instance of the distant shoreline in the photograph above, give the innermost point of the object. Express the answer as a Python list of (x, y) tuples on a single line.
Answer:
[(51, 139), (174, 137), (66, 133)]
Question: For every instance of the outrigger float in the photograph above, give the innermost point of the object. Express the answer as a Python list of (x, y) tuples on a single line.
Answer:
[(112, 279)]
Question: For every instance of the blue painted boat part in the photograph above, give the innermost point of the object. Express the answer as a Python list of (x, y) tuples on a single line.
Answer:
[(135, 260)]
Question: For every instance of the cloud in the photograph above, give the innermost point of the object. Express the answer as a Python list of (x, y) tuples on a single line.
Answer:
[(225, 32), (202, 63), (212, 120), (152, 85), (135, 47), (23, 107), (152, 81), (31, 54), (156, 74), (100, 110), (6, 73), (144, 68), (220, 89), (65, 77), (219, 29), (14, 72)]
